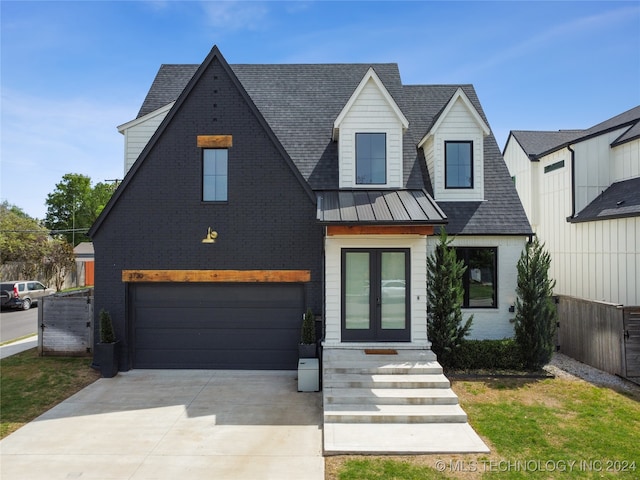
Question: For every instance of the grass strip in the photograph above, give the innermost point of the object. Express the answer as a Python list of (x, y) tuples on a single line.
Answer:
[(30, 385)]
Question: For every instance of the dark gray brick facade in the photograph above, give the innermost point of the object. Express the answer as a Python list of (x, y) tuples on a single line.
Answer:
[(159, 220)]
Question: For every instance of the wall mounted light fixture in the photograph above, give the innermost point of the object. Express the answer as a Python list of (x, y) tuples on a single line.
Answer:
[(211, 236)]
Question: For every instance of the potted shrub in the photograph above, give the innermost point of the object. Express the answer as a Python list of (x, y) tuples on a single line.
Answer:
[(106, 355), (307, 347)]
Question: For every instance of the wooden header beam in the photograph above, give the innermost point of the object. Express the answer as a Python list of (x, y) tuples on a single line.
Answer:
[(201, 276), (379, 230), (215, 141)]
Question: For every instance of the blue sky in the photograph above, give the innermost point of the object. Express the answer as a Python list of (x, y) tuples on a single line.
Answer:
[(73, 71)]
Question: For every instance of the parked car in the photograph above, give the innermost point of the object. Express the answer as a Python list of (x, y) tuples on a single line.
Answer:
[(22, 293)]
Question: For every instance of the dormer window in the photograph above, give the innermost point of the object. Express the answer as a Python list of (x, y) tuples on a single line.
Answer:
[(458, 158), (371, 158)]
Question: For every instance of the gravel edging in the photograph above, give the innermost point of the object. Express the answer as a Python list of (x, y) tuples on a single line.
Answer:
[(562, 366)]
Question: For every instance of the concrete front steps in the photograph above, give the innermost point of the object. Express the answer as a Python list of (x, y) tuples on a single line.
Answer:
[(391, 403)]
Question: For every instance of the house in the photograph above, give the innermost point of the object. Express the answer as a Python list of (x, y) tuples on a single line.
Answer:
[(581, 192), (84, 255), (255, 191)]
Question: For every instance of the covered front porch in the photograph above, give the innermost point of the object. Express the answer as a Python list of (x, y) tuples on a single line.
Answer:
[(383, 389)]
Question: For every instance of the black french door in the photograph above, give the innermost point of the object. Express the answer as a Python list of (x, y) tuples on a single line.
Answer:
[(375, 295)]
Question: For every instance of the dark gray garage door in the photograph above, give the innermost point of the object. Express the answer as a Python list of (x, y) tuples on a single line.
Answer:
[(212, 325)]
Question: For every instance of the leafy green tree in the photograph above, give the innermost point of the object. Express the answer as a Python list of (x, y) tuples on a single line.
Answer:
[(22, 239), (445, 295), (535, 321), (59, 261), (74, 205)]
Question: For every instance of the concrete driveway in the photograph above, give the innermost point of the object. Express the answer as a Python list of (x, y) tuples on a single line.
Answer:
[(170, 424)]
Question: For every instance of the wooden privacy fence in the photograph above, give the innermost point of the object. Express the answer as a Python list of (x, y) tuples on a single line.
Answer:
[(603, 335), (65, 324)]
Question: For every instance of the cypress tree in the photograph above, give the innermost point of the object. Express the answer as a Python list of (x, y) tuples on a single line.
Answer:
[(445, 296), (535, 321)]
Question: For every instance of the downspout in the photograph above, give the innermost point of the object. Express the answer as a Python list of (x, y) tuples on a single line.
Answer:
[(573, 183)]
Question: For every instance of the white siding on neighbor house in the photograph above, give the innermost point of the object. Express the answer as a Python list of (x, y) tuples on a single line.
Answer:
[(596, 260), (494, 323), (594, 167), (370, 113), (458, 125), (626, 161), (526, 179), (333, 285), (138, 132)]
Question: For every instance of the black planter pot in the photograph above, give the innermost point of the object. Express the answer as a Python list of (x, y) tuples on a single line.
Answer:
[(307, 351), (106, 357)]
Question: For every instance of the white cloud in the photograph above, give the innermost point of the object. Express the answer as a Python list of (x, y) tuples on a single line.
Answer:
[(236, 15), (553, 36), (43, 139)]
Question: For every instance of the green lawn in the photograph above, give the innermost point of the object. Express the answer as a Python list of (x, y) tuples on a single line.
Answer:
[(30, 385), (535, 428), (539, 428)]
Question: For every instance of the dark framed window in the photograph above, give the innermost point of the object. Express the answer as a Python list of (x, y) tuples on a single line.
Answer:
[(214, 174), (371, 158), (481, 277), (458, 160), (554, 166)]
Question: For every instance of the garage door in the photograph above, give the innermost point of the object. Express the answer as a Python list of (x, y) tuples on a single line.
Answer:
[(213, 325)]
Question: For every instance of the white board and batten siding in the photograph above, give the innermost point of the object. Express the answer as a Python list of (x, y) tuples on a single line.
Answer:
[(626, 161), (370, 113), (333, 285), (594, 260), (595, 167), (494, 323), (458, 125), (138, 132), (524, 172)]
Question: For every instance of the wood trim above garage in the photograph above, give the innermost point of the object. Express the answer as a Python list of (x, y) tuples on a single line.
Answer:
[(379, 230), (196, 276)]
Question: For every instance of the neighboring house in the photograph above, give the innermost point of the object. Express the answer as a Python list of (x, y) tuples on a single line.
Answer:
[(255, 191), (85, 263), (581, 192)]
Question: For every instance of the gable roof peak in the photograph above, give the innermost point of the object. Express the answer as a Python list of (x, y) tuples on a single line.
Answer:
[(370, 76), (458, 95)]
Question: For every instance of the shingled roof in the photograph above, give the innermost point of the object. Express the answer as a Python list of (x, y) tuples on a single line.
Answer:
[(621, 199), (539, 143), (300, 102)]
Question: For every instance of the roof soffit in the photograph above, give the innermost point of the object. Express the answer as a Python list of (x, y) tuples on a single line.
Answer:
[(144, 118), (458, 95), (369, 76)]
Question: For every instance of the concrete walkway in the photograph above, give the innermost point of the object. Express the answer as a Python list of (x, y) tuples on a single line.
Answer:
[(169, 424)]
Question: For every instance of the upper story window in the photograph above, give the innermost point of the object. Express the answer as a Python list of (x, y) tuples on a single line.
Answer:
[(458, 158), (214, 174), (371, 158)]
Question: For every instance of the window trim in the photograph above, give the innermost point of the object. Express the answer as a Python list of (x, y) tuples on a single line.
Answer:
[(202, 177), (466, 276), (386, 159), (472, 174)]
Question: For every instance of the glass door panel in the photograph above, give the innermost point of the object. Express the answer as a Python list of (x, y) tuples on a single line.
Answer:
[(375, 295), (357, 291), (393, 284)]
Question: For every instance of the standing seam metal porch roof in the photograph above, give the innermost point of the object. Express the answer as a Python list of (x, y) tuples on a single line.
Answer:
[(379, 207)]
